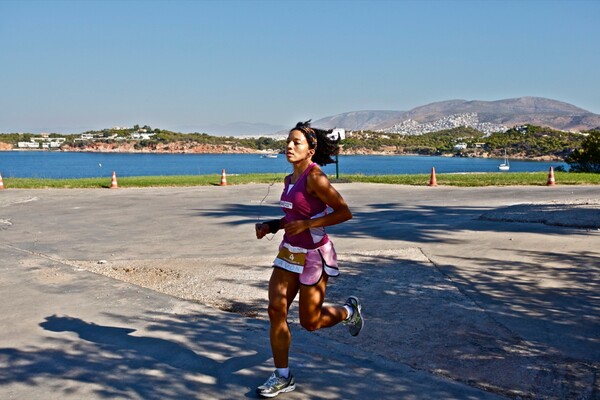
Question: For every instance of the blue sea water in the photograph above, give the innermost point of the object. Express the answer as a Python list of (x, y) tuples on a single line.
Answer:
[(49, 164)]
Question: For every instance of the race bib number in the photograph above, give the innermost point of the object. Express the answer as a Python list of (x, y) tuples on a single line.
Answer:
[(291, 258)]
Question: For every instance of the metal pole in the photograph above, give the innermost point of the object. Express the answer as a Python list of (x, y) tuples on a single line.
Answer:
[(337, 167)]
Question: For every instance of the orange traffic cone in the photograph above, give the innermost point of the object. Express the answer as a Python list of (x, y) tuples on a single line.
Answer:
[(223, 178), (432, 180), (113, 184), (551, 181), (1, 182)]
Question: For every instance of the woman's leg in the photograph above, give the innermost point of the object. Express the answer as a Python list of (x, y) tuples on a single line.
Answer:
[(283, 287), (313, 315)]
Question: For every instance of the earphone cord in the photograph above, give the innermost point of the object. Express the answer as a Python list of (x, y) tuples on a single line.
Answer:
[(258, 216)]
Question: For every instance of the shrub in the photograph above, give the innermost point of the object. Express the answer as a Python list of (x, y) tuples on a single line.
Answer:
[(587, 158)]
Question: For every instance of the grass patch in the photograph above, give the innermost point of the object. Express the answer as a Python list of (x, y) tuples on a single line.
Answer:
[(463, 180), (140, 181), (483, 179)]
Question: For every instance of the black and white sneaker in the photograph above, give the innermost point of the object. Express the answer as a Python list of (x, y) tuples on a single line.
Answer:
[(276, 384), (356, 323)]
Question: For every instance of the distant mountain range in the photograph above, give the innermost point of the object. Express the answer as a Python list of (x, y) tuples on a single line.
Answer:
[(482, 115)]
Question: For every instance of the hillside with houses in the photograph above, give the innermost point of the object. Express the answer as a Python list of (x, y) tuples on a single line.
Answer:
[(524, 141)]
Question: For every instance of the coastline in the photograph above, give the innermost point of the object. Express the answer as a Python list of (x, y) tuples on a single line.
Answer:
[(227, 149)]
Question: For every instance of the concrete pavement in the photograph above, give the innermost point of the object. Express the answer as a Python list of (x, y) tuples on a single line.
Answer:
[(458, 306)]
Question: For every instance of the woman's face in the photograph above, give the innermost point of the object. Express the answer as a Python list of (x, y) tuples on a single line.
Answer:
[(297, 147)]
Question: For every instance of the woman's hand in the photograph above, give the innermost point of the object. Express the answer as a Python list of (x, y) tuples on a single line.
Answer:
[(296, 227), (261, 230)]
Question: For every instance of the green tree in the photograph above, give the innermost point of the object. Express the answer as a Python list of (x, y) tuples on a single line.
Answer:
[(587, 158)]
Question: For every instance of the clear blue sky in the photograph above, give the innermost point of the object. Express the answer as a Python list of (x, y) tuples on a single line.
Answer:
[(71, 66)]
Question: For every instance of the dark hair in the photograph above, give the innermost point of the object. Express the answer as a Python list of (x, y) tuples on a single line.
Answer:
[(317, 139)]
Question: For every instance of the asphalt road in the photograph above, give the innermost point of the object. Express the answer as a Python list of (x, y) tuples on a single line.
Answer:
[(161, 293)]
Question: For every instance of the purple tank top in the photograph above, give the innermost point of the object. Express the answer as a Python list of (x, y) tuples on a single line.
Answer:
[(298, 204)]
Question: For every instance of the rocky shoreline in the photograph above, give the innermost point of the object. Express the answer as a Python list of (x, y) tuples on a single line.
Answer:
[(173, 147), (196, 148)]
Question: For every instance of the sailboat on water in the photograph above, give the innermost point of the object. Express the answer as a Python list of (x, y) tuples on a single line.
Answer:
[(505, 166)]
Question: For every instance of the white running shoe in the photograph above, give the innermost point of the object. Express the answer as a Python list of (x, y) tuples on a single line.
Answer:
[(276, 384)]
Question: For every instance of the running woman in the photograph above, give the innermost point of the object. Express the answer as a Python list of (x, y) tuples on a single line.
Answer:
[(306, 256)]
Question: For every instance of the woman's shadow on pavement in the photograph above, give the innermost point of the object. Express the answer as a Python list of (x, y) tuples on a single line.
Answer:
[(152, 353)]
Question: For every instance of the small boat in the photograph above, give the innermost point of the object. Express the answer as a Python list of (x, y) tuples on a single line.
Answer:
[(505, 166), (269, 156)]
